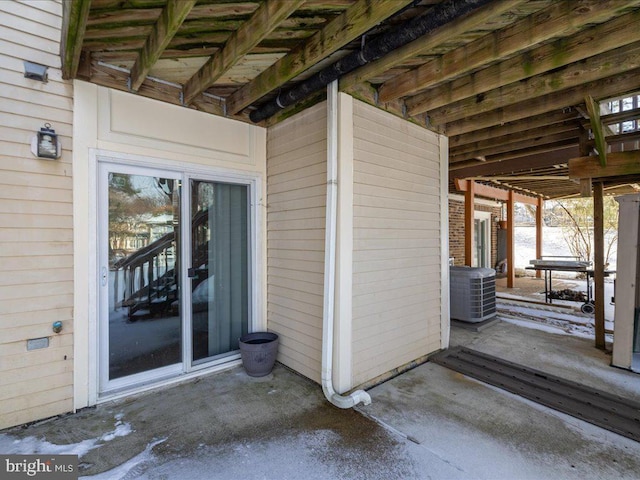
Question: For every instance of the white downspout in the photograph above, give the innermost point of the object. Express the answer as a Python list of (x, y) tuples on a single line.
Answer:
[(330, 260)]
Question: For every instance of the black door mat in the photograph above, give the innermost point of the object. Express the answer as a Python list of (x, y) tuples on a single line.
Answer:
[(614, 413)]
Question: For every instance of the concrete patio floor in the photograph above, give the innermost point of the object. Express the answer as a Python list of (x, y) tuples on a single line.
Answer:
[(427, 423)]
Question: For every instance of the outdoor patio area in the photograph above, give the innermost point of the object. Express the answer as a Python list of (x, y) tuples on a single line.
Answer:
[(429, 422)]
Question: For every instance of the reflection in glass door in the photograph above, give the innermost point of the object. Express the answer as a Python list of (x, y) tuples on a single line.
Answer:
[(158, 230), (219, 270), (144, 325)]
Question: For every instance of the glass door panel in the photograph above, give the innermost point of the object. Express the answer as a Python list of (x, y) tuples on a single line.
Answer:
[(219, 270), (144, 324)]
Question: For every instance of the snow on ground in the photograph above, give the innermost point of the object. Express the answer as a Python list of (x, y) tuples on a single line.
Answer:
[(10, 445), (133, 467), (553, 244)]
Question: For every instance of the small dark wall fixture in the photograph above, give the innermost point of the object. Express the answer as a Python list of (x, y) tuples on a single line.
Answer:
[(35, 71)]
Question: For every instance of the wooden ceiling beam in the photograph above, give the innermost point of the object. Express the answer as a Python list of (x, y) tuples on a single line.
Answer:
[(520, 177), (349, 25), (169, 21), (546, 120), (619, 164), (620, 84), (263, 21), (595, 68), (522, 147), (425, 43), (602, 38), (74, 24), (516, 165), (525, 152), (487, 191), (560, 19), (514, 139)]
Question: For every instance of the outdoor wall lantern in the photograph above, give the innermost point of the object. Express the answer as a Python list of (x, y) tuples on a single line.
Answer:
[(46, 144)]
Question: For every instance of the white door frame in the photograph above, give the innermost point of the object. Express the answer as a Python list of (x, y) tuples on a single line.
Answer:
[(133, 164), (486, 217)]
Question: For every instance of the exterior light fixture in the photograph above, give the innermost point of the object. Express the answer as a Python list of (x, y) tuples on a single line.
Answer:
[(45, 144), (35, 71)]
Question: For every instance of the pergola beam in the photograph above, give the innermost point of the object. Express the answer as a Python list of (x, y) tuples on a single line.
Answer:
[(75, 14), (349, 25), (263, 21), (168, 24), (487, 191)]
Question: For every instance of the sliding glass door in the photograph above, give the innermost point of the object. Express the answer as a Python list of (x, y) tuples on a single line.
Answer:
[(174, 273), (219, 270)]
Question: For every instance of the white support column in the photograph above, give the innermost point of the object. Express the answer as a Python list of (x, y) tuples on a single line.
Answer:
[(626, 279), (445, 324)]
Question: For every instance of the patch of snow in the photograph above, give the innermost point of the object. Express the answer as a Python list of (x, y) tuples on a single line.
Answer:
[(132, 468), (122, 430), (10, 445)]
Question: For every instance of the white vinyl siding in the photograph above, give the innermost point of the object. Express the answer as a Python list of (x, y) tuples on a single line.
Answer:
[(396, 243), (36, 219), (296, 198)]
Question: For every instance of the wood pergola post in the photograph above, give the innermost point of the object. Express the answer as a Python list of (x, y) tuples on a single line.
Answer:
[(539, 225), (511, 269), (469, 213), (598, 258)]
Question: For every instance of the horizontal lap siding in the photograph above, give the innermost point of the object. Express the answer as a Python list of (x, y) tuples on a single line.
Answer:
[(396, 243), (296, 198), (36, 249)]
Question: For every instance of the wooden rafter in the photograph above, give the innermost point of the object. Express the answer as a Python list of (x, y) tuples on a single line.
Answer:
[(614, 34), (513, 129), (515, 140), (264, 20), (594, 68), (169, 21), (520, 177), (627, 81), (349, 25), (521, 146), (619, 164), (517, 165), (561, 18), (427, 42), (482, 190), (596, 127), (74, 23)]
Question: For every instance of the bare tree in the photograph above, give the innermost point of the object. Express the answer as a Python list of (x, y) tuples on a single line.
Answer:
[(575, 216)]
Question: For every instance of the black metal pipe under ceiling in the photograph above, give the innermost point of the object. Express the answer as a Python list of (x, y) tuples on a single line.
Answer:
[(438, 16)]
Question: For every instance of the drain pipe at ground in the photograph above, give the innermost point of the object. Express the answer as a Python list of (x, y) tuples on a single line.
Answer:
[(341, 401)]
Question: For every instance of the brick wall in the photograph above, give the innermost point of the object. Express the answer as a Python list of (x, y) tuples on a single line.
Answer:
[(456, 230)]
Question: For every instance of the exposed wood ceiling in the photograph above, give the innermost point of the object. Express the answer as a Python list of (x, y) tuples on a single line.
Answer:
[(506, 82)]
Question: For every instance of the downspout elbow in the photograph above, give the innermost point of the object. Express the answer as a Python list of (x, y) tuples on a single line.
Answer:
[(343, 401), (349, 401)]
